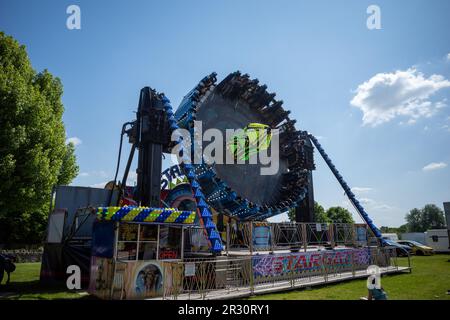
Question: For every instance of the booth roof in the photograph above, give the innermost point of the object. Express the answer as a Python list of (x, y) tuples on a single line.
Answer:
[(145, 214)]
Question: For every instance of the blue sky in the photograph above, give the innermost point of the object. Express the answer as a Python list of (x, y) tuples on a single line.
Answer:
[(376, 98)]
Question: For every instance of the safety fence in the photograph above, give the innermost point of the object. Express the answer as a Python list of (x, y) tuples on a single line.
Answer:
[(233, 276), (265, 236), (24, 255)]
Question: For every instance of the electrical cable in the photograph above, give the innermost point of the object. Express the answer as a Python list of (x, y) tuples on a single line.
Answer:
[(118, 161)]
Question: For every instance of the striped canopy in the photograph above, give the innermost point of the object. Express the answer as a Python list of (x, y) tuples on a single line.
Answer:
[(145, 214)]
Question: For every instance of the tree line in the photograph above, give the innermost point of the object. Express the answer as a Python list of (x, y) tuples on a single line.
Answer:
[(331, 215), (417, 220), (420, 220)]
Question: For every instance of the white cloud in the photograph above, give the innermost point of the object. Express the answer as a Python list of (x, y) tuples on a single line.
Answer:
[(367, 201), (378, 211), (441, 104), (95, 174), (100, 185), (75, 140), (100, 173), (383, 207), (360, 190), (279, 218), (448, 57), (434, 166), (131, 181), (402, 93), (372, 206), (382, 214), (132, 178)]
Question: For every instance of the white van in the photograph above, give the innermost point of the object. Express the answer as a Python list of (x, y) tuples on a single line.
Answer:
[(438, 240)]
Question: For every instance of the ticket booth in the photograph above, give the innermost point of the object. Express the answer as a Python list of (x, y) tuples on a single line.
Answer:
[(129, 247)]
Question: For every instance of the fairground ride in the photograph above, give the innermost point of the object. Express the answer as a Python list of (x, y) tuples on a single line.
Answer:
[(127, 235), (237, 102)]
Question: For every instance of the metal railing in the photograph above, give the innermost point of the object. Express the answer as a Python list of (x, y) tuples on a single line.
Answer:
[(239, 276), (265, 236), (199, 277)]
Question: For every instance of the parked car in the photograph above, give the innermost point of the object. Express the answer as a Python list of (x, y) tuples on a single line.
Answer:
[(417, 248), (401, 249)]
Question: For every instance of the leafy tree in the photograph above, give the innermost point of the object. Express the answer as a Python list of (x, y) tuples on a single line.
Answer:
[(69, 168), (339, 215), (33, 153), (433, 216), (291, 214), (414, 221), (420, 220), (333, 214), (319, 213), (385, 229), (398, 231), (402, 229)]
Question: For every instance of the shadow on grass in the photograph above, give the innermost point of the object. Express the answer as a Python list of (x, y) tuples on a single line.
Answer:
[(35, 290)]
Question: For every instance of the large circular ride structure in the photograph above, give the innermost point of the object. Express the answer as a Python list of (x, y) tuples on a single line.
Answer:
[(239, 189)]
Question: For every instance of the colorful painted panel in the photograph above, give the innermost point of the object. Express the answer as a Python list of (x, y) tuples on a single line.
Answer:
[(261, 236), (144, 279), (277, 265), (101, 277)]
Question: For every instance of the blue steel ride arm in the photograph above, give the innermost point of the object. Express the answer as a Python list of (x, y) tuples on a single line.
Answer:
[(188, 169), (348, 191)]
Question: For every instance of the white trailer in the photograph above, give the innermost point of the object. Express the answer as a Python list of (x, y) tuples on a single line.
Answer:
[(438, 240)]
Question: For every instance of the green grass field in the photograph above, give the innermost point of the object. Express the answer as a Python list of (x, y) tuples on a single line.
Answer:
[(429, 280), (25, 285)]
